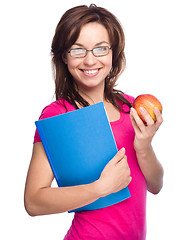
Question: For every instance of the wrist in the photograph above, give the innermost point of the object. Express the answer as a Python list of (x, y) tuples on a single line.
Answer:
[(100, 188), (144, 152), (96, 188)]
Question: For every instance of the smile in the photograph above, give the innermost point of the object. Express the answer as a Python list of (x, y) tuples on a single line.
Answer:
[(90, 72)]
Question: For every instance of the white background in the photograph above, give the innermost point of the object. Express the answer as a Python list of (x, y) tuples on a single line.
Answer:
[(156, 52)]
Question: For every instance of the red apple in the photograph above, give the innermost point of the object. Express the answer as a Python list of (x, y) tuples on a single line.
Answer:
[(149, 102)]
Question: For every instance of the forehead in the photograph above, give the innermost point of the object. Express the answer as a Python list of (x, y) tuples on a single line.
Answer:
[(93, 33)]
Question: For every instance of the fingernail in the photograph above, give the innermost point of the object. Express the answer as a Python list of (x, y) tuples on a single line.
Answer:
[(142, 109), (156, 110), (122, 150)]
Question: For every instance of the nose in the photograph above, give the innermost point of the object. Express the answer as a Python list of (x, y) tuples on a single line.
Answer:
[(90, 59)]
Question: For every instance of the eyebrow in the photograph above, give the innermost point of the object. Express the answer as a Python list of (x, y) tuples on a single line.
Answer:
[(97, 44)]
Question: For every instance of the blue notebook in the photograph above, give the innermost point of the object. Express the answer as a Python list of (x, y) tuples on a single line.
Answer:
[(78, 145)]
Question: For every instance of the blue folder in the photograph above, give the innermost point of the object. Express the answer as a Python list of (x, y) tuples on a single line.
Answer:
[(78, 145)]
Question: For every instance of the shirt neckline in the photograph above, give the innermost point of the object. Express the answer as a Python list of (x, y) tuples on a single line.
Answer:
[(119, 120), (71, 108)]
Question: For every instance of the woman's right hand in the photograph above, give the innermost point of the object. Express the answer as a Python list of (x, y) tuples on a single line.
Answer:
[(116, 174), (42, 199)]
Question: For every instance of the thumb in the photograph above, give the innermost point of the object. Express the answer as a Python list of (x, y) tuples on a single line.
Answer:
[(119, 155)]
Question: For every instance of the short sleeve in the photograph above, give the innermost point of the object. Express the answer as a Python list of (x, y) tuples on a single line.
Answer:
[(51, 110), (128, 98)]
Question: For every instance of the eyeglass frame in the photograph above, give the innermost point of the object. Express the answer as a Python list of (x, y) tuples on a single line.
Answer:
[(86, 51)]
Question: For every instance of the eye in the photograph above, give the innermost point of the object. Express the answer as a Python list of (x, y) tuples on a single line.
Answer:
[(101, 51), (77, 52)]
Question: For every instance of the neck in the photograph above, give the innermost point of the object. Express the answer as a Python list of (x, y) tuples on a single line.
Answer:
[(93, 96)]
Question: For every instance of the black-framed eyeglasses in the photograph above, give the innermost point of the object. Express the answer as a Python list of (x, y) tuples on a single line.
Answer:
[(97, 52)]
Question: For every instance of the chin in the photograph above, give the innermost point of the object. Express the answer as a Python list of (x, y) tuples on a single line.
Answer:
[(91, 84)]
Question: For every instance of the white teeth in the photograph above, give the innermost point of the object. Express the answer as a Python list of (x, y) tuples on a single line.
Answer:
[(91, 71)]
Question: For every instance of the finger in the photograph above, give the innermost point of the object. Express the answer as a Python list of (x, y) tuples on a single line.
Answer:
[(118, 157), (123, 164), (159, 118), (130, 179), (137, 123), (133, 120), (123, 161), (135, 126), (146, 116)]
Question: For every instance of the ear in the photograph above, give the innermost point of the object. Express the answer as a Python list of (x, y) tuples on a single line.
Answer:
[(64, 58)]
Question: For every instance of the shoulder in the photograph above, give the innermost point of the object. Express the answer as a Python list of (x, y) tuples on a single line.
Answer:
[(126, 102), (55, 108), (51, 110), (128, 98)]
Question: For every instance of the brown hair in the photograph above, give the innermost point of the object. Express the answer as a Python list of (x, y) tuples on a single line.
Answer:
[(67, 32)]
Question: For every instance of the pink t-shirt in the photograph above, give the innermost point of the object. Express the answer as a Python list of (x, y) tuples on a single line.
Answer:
[(121, 221)]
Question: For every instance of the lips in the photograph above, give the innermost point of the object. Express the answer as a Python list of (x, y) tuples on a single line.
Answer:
[(90, 72)]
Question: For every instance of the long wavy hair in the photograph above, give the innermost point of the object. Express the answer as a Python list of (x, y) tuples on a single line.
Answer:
[(66, 34)]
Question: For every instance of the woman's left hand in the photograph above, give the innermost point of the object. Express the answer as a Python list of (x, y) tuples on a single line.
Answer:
[(144, 133)]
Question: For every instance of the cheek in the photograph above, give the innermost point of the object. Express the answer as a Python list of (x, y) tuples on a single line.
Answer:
[(108, 60), (73, 65), (108, 63)]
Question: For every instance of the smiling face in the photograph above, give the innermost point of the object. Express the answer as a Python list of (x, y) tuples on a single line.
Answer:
[(90, 72)]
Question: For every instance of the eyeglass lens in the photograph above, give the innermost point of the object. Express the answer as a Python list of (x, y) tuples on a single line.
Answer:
[(81, 52)]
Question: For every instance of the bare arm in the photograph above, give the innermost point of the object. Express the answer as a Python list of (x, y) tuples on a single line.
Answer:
[(148, 162), (41, 198), (152, 170)]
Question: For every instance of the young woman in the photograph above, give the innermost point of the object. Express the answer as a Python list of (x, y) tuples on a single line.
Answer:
[(88, 57)]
